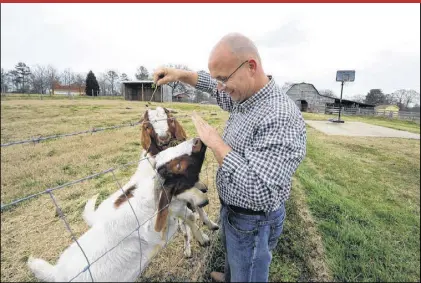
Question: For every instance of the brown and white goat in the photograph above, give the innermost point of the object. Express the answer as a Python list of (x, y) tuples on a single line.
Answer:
[(160, 131), (112, 244)]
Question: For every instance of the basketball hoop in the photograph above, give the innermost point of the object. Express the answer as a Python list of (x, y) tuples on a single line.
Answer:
[(343, 76)]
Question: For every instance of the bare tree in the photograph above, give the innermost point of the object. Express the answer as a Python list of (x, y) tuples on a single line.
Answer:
[(53, 78), (178, 87), (68, 78), (80, 82), (14, 78), (39, 79), (103, 83), (124, 77), (4, 81), (403, 98), (112, 77), (328, 92), (359, 98), (142, 73)]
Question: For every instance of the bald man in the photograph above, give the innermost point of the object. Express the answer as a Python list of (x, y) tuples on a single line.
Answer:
[(262, 145)]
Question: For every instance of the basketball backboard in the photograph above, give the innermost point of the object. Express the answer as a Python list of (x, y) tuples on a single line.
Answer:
[(345, 76)]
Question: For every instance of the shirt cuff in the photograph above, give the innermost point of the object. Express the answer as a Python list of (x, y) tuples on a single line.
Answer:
[(204, 82), (231, 162)]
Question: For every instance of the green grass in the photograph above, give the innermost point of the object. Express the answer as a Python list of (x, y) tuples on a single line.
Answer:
[(364, 194), (396, 124), (353, 214)]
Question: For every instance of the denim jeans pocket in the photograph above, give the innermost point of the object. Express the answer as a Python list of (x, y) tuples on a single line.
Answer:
[(241, 224), (275, 231)]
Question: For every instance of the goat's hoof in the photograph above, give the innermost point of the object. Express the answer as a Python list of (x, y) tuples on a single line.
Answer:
[(214, 227), (202, 187), (205, 242), (203, 204), (187, 254), (211, 226)]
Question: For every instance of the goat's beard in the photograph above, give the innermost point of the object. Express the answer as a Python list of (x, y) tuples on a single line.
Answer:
[(171, 143), (174, 142)]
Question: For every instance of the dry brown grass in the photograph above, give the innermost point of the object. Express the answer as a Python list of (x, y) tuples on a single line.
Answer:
[(33, 228)]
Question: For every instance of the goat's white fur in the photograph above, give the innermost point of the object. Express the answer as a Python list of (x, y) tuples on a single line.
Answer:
[(194, 196), (158, 118), (110, 225)]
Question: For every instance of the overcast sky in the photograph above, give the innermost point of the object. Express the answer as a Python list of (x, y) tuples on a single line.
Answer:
[(297, 42)]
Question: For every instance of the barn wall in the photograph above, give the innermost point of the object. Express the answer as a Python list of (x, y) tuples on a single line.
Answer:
[(308, 93), (143, 92)]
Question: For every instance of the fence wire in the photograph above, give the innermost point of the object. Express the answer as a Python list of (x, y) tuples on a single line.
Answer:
[(137, 229), (93, 130), (50, 191)]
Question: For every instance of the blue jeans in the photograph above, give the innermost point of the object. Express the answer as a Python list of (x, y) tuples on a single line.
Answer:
[(248, 241)]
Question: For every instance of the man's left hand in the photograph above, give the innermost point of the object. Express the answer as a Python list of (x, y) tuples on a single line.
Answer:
[(206, 132), (209, 136)]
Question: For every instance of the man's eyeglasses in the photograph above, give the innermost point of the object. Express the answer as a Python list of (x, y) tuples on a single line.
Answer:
[(223, 82)]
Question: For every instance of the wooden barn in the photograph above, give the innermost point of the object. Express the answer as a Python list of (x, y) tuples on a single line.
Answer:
[(308, 99), (143, 90)]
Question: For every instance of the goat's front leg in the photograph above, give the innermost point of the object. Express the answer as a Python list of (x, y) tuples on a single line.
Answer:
[(205, 219), (185, 229), (188, 217), (194, 196)]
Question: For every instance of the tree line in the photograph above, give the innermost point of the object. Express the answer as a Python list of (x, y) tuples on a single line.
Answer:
[(41, 79)]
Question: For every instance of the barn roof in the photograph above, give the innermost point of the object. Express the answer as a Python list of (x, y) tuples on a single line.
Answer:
[(303, 83), (331, 97)]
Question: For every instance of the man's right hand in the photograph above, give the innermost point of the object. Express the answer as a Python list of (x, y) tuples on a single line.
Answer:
[(167, 75)]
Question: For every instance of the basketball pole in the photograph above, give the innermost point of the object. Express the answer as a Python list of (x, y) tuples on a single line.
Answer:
[(340, 100)]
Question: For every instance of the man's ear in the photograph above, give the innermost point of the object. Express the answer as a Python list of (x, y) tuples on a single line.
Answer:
[(252, 64)]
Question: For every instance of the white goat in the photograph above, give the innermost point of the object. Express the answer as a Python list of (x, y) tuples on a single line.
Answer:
[(114, 221), (159, 130)]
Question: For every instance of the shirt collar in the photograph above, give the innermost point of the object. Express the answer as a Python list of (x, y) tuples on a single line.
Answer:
[(260, 95)]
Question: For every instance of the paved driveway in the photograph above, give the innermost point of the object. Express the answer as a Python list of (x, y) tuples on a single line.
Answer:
[(359, 129)]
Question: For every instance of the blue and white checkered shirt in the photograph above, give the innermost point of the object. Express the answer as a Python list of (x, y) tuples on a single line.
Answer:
[(268, 136)]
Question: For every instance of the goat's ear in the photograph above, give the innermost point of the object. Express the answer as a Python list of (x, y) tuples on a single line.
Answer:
[(164, 201), (144, 135), (180, 134), (146, 139)]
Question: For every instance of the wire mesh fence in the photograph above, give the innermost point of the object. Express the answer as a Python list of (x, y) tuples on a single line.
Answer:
[(38, 139), (208, 167), (210, 164)]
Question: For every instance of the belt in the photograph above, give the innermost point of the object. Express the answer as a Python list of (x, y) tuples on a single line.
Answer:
[(243, 210)]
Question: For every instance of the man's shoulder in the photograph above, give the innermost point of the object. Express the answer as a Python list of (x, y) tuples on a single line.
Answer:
[(279, 106)]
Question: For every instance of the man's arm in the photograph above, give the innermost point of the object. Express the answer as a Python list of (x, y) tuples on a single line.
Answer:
[(207, 84), (202, 81), (264, 172)]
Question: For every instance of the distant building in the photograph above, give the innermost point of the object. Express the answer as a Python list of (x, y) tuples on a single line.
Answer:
[(72, 89), (143, 90), (308, 99)]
